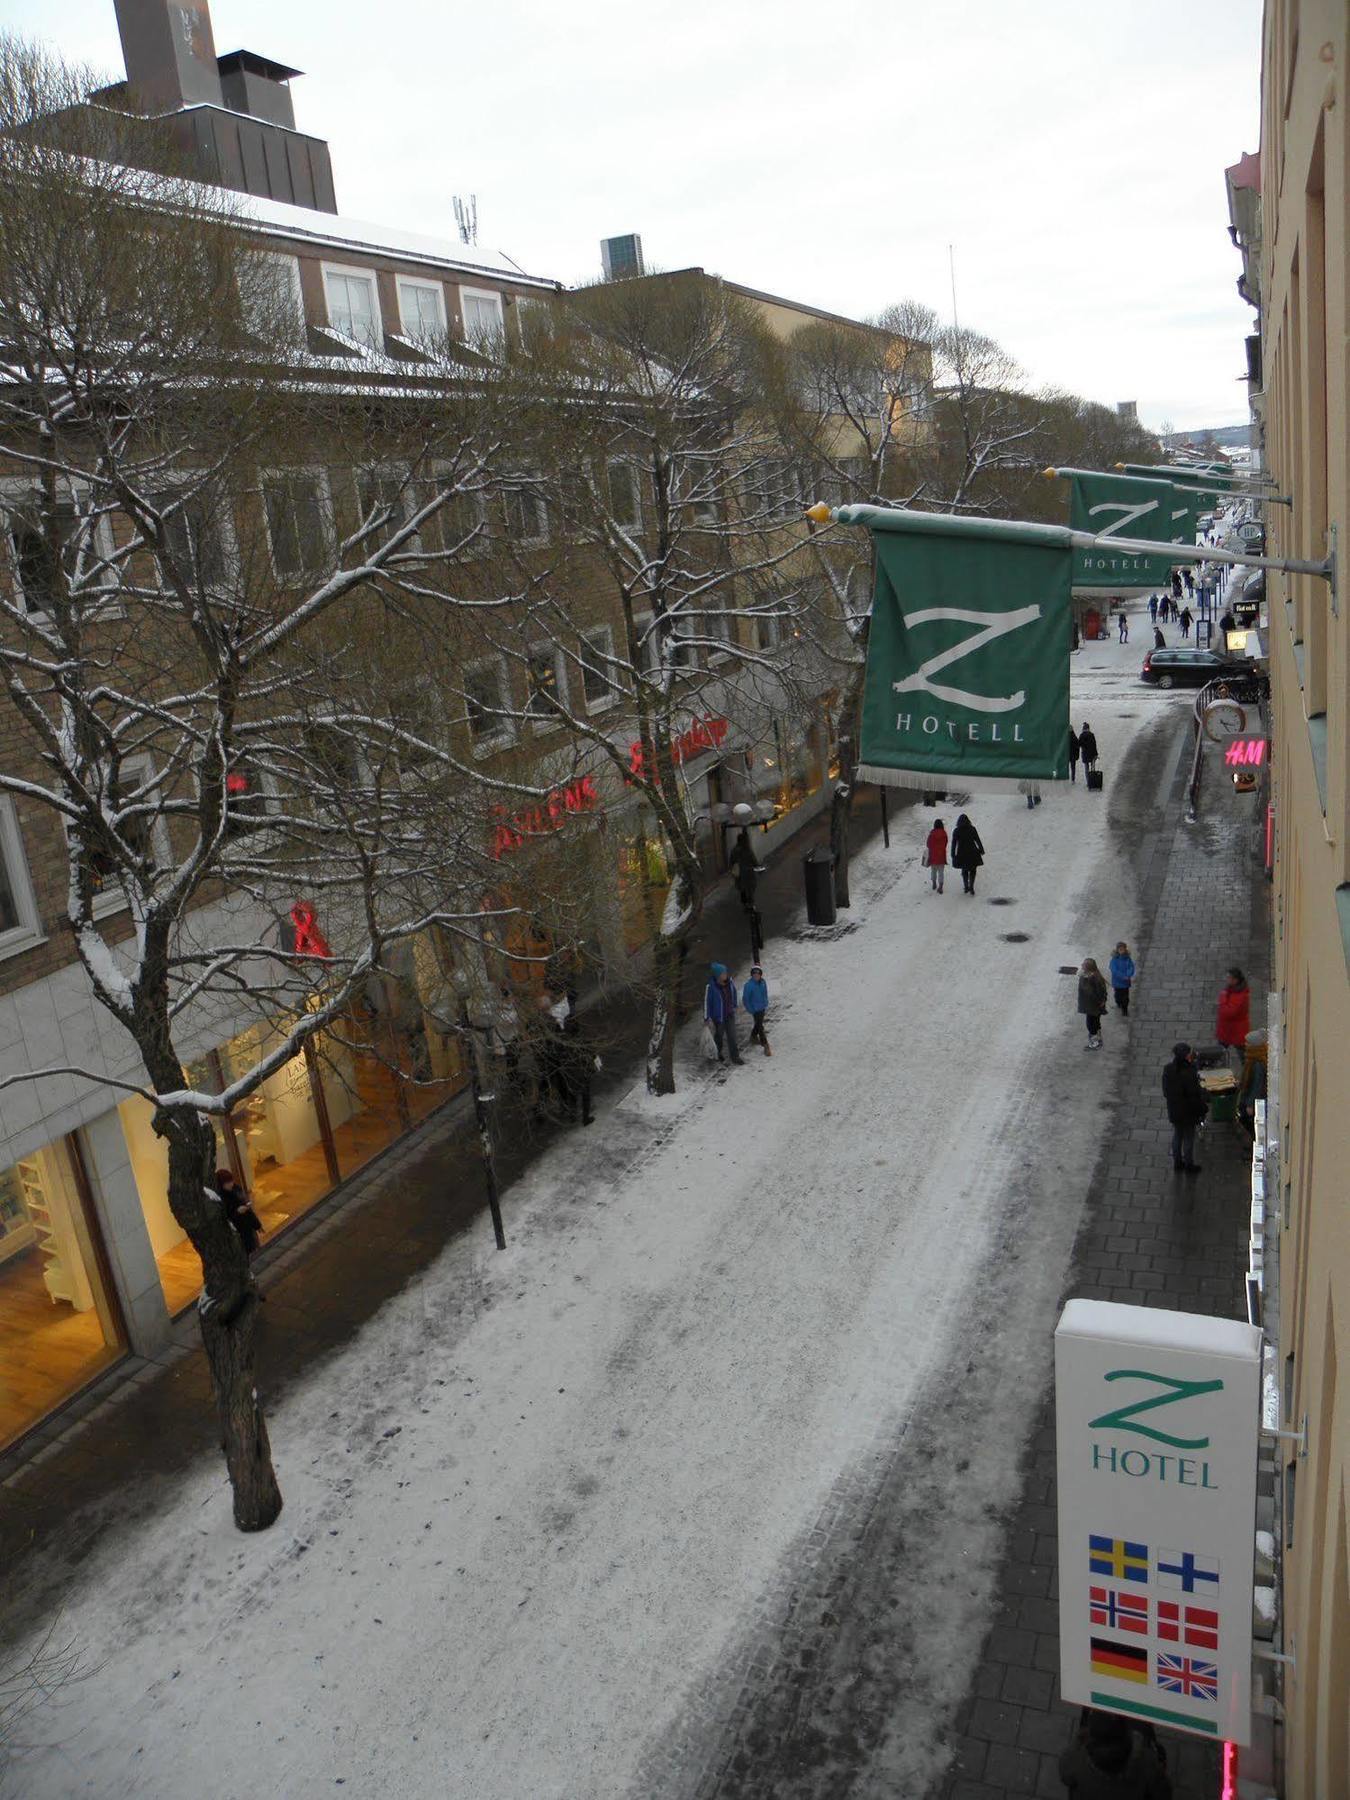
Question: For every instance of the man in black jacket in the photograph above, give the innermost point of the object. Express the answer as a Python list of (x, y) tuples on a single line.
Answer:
[(1186, 1106)]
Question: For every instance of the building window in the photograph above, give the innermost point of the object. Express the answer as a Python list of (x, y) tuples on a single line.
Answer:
[(353, 305), (719, 625), (526, 514), (195, 541), (485, 704), (481, 312), (547, 687), (597, 675), (56, 557), (768, 630), (143, 834), (421, 306), (273, 302), (382, 504), (248, 802), (19, 925), (625, 495), (296, 505)]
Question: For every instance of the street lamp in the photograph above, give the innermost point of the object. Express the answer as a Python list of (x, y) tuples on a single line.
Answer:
[(481, 1104), (743, 813)]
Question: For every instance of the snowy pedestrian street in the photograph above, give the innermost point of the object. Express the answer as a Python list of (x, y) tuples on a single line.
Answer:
[(580, 1520)]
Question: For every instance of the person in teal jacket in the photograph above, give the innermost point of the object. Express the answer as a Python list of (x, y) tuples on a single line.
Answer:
[(755, 999), (1122, 974)]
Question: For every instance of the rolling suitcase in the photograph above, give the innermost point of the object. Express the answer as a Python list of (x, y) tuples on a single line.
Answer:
[(1094, 781)]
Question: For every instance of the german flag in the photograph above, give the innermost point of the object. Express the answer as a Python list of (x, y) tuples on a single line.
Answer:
[(1123, 1662)]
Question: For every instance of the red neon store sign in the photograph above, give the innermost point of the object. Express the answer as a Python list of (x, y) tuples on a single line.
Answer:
[(1245, 753), (509, 834), (703, 734)]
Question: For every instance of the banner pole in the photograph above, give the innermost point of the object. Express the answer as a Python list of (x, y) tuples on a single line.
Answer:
[(1186, 487)]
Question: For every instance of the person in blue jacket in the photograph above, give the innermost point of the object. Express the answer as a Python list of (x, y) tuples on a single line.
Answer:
[(719, 1009), (1122, 974), (755, 999)]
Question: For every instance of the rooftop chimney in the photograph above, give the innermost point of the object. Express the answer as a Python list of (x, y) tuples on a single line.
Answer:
[(170, 54)]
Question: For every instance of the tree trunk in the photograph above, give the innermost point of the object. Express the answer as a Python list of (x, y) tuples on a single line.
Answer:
[(841, 801), (227, 1313), (666, 965)]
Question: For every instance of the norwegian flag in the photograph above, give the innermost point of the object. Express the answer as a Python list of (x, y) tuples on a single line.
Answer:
[(1196, 1625), (1183, 1675), (1125, 1612)]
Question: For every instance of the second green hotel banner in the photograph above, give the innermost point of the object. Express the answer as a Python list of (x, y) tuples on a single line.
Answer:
[(968, 656)]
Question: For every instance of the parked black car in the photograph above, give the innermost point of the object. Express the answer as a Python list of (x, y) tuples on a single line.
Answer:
[(1187, 667)]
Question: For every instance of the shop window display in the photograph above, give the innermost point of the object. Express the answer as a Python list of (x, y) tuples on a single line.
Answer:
[(58, 1321)]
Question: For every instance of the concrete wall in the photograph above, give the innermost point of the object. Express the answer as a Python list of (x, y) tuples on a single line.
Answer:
[(1305, 120)]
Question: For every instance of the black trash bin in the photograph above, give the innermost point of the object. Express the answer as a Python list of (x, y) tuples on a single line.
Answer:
[(818, 870)]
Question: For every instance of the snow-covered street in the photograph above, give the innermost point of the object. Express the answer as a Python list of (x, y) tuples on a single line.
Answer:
[(553, 1517)]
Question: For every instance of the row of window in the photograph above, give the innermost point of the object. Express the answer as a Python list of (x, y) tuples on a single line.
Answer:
[(352, 298)]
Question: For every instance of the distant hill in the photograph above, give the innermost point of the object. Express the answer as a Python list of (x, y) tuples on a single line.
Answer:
[(1230, 437)]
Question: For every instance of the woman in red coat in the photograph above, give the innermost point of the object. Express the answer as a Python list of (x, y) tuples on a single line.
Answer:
[(1235, 1012), (935, 854)]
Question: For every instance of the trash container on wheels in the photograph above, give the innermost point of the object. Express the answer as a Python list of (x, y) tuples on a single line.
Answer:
[(818, 870)]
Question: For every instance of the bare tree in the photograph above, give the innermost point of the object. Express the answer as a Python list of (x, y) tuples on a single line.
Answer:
[(193, 648)]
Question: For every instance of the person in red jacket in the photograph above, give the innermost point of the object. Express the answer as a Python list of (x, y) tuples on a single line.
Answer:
[(935, 855), (1235, 1012)]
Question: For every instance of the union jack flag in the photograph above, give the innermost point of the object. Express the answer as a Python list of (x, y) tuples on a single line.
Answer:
[(1125, 1612), (1183, 1675), (1196, 1625)]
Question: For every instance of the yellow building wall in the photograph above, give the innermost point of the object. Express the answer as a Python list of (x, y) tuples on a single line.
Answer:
[(1305, 133)]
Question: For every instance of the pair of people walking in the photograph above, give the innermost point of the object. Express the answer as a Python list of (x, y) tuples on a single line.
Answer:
[(1092, 992), (721, 1003), (967, 853)]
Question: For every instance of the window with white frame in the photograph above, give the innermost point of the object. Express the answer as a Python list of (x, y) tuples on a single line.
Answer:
[(19, 925), (198, 540), (55, 554), (480, 312), (486, 705), (353, 304), (625, 494), (382, 503), (273, 301), (768, 627), (719, 625), (597, 672), (296, 506), (546, 686), (421, 306), (526, 513)]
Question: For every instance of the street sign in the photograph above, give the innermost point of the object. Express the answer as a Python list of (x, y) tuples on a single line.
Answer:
[(1157, 1415)]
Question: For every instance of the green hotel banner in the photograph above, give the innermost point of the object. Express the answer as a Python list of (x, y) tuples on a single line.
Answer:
[(1129, 507), (967, 678), (1213, 481)]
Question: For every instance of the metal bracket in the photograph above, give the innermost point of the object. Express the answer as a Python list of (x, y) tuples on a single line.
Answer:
[(1331, 569), (1285, 1659), (1299, 1437)]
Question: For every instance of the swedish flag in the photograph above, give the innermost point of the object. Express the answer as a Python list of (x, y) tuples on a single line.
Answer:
[(1118, 1558)]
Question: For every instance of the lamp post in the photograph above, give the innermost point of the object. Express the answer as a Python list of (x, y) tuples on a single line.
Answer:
[(481, 1109), (744, 815)]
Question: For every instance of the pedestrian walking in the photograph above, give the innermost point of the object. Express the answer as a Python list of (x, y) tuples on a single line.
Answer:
[(239, 1211), (1153, 609), (745, 870), (1176, 584), (1092, 1001), (967, 852), (1228, 623), (1123, 626), (1121, 967), (1075, 751), (1087, 746), (1159, 641), (1113, 1759), (1234, 1019), (1186, 1107), (1189, 581), (577, 1064), (755, 999), (1186, 620), (719, 1010), (935, 856)]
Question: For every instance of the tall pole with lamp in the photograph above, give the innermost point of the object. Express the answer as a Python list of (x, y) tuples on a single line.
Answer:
[(482, 1104)]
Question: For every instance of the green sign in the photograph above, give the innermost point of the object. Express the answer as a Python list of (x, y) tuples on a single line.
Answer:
[(1129, 507), (968, 656)]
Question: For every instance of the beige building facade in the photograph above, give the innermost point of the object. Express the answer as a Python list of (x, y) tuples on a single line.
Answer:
[(1304, 375)]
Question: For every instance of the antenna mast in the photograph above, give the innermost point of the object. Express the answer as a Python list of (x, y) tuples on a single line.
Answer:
[(466, 218)]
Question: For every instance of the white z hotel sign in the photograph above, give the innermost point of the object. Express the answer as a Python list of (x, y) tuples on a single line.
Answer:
[(1157, 1415)]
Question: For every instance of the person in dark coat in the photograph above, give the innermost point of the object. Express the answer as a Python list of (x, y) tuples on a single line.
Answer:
[(1159, 641), (239, 1211), (577, 1064), (1228, 623), (1112, 1759), (1075, 750), (1123, 625), (719, 1009), (1186, 620), (745, 870), (1186, 1106), (1092, 1001), (1087, 746), (967, 852), (1176, 583)]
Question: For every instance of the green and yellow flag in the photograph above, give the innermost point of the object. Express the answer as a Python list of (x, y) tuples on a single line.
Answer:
[(967, 677)]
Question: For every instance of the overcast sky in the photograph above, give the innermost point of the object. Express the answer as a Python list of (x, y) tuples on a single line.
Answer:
[(1072, 153)]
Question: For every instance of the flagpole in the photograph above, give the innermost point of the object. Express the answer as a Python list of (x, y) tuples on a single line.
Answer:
[(1161, 480), (1029, 531), (1167, 472)]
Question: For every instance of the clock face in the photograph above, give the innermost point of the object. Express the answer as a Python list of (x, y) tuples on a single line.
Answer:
[(1224, 719)]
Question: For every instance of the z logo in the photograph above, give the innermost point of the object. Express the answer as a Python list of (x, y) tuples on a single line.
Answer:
[(1124, 1418), (995, 625)]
